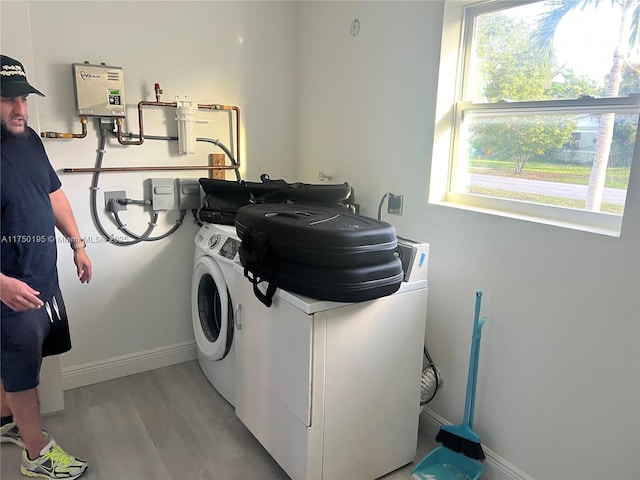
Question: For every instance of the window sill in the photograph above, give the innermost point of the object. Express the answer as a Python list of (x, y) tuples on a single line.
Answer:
[(592, 222)]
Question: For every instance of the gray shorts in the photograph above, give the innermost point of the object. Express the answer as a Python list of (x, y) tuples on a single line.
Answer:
[(26, 338)]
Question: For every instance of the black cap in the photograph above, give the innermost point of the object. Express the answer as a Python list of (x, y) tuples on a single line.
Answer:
[(14, 79)]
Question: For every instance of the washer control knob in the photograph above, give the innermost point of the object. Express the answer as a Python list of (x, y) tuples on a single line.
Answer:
[(213, 240)]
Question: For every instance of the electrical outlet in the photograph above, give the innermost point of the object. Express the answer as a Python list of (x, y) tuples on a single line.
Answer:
[(114, 206), (394, 204)]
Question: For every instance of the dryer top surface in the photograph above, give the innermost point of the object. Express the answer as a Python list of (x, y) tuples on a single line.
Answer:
[(312, 305)]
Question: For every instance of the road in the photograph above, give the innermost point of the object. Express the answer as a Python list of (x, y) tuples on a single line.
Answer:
[(614, 196)]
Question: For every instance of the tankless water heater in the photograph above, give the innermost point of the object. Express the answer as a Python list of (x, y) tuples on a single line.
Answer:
[(99, 90)]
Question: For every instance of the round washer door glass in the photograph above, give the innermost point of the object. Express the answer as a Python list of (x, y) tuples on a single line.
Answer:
[(211, 310)]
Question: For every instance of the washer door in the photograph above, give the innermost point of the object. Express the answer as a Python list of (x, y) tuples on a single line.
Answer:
[(211, 309)]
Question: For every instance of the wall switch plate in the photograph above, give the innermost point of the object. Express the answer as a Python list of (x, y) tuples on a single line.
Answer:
[(394, 204), (113, 206)]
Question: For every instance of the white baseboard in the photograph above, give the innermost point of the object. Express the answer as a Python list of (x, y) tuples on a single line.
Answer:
[(496, 467), (116, 367)]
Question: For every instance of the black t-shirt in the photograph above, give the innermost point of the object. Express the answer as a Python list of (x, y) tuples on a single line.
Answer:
[(27, 226)]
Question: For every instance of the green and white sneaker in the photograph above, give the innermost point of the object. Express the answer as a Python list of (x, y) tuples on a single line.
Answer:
[(10, 433), (53, 463)]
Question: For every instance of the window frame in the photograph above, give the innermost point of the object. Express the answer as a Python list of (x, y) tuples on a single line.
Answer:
[(451, 106)]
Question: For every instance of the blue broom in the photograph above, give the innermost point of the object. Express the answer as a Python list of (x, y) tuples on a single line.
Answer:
[(462, 438)]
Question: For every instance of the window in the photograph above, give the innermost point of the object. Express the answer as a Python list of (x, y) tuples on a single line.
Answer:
[(538, 109)]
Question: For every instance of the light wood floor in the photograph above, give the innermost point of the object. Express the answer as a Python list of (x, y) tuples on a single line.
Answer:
[(166, 424)]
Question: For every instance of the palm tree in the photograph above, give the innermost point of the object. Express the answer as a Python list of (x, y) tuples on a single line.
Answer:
[(628, 38)]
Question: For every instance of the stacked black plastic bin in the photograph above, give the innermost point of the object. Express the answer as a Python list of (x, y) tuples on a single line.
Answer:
[(318, 252)]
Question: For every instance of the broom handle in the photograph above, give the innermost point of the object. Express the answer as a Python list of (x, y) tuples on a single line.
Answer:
[(470, 400)]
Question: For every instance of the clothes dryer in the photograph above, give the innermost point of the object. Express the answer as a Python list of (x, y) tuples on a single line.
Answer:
[(337, 384), (212, 305)]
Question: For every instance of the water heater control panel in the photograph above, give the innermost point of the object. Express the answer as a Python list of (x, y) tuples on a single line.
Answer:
[(99, 90)]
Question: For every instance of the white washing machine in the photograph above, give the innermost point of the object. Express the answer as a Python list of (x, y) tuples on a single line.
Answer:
[(332, 390), (212, 305)]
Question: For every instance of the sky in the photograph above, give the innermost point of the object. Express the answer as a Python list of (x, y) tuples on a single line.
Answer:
[(576, 44), (585, 40)]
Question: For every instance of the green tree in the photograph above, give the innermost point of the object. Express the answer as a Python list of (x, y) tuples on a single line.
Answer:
[(623, 141), (521, 138), (511, 70), (507, 62), (630, 82), (628, 38), (567, 85)]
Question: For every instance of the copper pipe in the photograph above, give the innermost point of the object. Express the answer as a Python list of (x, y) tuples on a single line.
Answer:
[(144, 169), (83, 121), (140, 141), (202, 106), (228, 107)]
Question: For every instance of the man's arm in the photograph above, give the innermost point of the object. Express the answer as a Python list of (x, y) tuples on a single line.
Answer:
[(66, 223)]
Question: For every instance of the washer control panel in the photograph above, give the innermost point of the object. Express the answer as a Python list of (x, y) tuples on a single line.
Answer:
[(219, 240)]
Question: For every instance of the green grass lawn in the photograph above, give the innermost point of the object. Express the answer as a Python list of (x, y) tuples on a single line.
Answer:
[(553, 172), (617, 177)]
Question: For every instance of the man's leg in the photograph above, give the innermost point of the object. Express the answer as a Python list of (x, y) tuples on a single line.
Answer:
[(25, 407), (5, 411), (22, 337), (42, 456)]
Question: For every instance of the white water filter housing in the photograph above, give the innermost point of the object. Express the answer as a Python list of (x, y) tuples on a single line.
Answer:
[(186, 115)]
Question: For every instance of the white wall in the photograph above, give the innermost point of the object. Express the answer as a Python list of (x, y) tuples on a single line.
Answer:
[(559, 384), (558, 388), (136, 312)]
